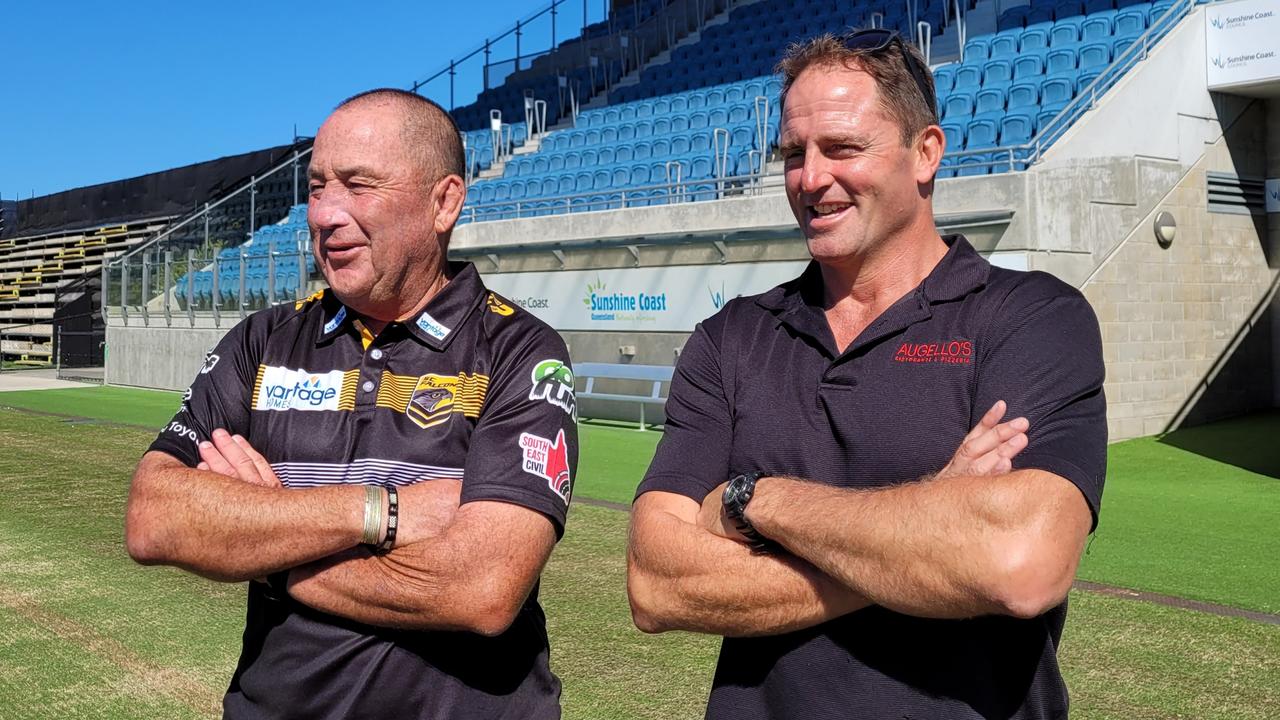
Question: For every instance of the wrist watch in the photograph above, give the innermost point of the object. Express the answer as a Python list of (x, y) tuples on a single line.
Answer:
[(736, 496)]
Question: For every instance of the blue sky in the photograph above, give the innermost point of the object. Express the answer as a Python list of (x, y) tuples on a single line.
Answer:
[(98, 91)]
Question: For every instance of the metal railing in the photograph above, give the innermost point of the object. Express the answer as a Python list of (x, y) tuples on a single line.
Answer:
[(1020, 157), (186, 288)]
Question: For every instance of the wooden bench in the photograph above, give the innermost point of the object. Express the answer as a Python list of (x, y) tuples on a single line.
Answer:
[(656, 374)]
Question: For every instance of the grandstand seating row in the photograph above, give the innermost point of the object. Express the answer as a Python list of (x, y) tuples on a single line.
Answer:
[(281, 245), (1039, 12)]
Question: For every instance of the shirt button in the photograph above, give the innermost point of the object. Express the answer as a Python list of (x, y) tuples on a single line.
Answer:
[(367, 386), (376, 354)]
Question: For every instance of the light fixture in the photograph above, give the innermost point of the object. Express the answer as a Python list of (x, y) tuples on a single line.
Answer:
[(1166, 228)]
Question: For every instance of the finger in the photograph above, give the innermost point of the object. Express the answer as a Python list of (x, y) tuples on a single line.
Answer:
[(264, 468), (202, 465), (1011, 428), (235, 455), (1014, 445), (214, 461)]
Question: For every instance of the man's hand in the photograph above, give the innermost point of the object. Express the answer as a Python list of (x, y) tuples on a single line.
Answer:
[(990, 446), (712, 516), (233, 456)]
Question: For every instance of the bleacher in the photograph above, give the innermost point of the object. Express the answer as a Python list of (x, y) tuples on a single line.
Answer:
[(37, 273), (277, 266), (705, 124)]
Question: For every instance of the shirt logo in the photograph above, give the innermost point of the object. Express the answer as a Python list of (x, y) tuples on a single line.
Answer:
[(181, 430), (284, 389), (951, 352), (336, 321), (498, 307), (432, 400), (210, 362), (548, 460), (432, 327), (553, 382)]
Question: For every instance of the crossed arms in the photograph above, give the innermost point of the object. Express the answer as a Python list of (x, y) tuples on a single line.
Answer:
[(975, 539), (467, 567)]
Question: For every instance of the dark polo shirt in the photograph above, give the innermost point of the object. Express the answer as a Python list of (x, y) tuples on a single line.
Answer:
[(761, 387), (475, 389)]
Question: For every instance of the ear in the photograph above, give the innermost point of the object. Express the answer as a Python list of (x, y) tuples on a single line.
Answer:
[(929, 148), (449, 193)]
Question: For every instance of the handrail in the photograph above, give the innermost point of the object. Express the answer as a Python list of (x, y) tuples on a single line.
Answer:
[(1031, 152), (204, 211)]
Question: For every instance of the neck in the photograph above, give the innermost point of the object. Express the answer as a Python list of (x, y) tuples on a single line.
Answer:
[(876, 280), (400, 314)]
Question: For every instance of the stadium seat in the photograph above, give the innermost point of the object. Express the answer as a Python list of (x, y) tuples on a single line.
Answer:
[(968, 77), (976, 49), (1095, 28), (1095, 55), (955, 133), (1060, 59), (959, 105), (1056, 90), (1005, 44), (1065, 32), (989, 100), (981, 133), (1094, 6), (1130, 23), (1028, 66), (1017, 128), (944, 78), (1034, 39), (1023, 94), (997, 72)]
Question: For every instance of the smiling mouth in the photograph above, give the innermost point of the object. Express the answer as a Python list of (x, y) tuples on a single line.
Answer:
[(828, 211)]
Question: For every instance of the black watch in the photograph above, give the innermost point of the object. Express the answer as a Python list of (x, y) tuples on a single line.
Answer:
[(736, 496)]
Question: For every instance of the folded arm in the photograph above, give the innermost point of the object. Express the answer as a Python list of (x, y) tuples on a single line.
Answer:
[(473, 575)]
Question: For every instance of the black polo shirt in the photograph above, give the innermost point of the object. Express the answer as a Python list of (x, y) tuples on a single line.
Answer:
[(474, 388), (761, 387)]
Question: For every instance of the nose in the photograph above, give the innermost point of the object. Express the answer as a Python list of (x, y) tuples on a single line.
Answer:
[(815, 176), (327, 209)]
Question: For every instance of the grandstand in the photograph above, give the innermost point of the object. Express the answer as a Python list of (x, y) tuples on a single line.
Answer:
[(1078, 131)]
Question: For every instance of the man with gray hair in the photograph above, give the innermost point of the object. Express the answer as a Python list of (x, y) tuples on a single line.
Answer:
[(857, 563), (389, 462)]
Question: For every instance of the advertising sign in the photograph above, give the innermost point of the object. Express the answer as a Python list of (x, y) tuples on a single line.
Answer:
[(1242, 43), (1272, 189), (652, 299)]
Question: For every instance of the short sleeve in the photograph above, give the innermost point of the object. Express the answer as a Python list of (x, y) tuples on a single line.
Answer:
[(524, 449), (1044, 358), (693, 456), (217, 398)]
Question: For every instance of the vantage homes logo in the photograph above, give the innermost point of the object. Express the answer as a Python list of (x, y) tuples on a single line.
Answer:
[(1234, 22), (637, 307), (285, 389)]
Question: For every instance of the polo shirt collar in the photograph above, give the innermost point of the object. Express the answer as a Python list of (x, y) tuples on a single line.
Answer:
[(439, 321), (960, 271), (435, 325)]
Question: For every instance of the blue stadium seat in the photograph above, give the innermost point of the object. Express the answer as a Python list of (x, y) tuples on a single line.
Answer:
[(1023, 94), (976, 49), (959, 105), (1056, 90), (1130, 23), (1004, 44), (1065, 32), (1067, 8), (1120, 45), (944, 78), (1039, 14), (968, 77), (1034, 39), (982, 133), (1094, 6), (1095, 28), (989, 100), (1086, 78), (997, 72), (973, 165), (1095, 55), (1028, 66), (1017, 128), (1060, 59), (1014, 17), (955, 133)]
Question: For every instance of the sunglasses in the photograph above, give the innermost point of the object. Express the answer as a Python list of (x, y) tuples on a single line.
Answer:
[(877, 39)]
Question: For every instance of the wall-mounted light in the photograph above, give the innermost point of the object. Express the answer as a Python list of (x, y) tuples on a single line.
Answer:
[(1166, 228)]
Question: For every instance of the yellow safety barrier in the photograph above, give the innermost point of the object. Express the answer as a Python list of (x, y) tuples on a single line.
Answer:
[(91, 242)]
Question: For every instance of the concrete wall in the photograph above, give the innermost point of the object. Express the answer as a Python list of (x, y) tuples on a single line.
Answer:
[(1178, 323), (160, 357)]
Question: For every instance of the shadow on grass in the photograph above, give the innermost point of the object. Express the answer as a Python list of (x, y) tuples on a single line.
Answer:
[(1251, 442)]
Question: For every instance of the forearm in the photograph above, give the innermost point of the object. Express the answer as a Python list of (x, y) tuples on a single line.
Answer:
[(229, 530), (682, 577), (953, 548), (466, 577)]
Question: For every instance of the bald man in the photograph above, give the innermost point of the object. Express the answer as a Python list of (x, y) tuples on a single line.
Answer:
[(389, 462)]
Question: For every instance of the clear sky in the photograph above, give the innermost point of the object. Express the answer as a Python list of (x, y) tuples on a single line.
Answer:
[(93, 91)]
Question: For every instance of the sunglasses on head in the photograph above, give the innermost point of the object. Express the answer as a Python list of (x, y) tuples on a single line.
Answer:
[(877, 39)]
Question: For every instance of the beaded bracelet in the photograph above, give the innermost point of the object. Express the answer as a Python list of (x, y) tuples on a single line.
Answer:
[(393, 512)]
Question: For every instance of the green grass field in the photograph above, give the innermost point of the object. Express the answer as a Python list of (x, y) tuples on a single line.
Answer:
[(85, 632)]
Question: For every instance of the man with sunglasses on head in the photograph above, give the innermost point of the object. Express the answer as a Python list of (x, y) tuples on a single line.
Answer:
[(884, 546)]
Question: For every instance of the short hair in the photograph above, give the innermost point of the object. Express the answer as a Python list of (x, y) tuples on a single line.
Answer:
[(429, 131), (900, 96)]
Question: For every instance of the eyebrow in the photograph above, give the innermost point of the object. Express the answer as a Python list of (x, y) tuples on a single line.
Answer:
[(343, 172)]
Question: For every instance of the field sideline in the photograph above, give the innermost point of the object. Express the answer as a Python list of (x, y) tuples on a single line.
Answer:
[(86, 633)]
